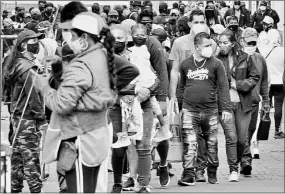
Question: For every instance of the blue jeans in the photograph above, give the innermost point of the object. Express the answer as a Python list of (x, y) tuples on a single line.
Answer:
[(143, 146), (236, 133), (204, 124)]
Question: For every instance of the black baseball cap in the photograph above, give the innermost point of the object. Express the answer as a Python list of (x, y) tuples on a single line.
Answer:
[(28, 34)]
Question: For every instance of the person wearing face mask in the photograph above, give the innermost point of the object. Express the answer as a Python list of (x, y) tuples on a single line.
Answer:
[(18, 18), (258, 16), (212, 16), (34, 24), (242, 76), (232, 25), (249, 44), (77, 93), (238, 12), (42, 5), (29, 121), (201, 77), (181, 9), (47, 14), (183, 47)]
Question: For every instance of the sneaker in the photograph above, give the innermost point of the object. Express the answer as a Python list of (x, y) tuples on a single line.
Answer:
[(255, 150), (164, 178), (200, 176), (233, 177), (212, 178), (129, 184), (117, 188), (246, 171), (187, 179), (162, 134), (144, 190), (123, 140), (279, 135)]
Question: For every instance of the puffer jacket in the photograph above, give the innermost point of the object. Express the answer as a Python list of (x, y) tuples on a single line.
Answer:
[(16, 79), (246, 75), (84, 95)]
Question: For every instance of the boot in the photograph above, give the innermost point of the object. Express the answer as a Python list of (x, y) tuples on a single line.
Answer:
[(123, 140)]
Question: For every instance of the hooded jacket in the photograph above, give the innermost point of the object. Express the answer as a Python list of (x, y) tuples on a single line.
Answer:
[(17, 77), (246, 75)]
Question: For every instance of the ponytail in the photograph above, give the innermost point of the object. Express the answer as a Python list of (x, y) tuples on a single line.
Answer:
[(108, 42)]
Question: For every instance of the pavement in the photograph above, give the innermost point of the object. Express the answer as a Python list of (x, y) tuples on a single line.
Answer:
[(267, 173)]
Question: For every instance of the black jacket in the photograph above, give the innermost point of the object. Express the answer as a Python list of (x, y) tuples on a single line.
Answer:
[(246, 75), (243, 20), (257, 18)]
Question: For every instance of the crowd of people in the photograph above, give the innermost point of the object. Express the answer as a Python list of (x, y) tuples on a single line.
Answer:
[(107, 77)]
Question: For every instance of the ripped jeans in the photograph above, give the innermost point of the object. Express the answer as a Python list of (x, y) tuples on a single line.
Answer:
[(205, 124)]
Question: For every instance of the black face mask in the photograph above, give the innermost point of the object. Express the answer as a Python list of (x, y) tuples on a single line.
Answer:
[(21, 14), (209, 13), (119, 47), (33, 48), (233, 28), (130, 44), (139, 41), (49, 12), (182, 9), (41, 8)]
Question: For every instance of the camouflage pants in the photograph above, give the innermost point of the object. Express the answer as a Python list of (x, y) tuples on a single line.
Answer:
[(25, 156)]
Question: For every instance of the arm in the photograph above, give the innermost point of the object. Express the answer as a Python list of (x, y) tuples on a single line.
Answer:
[(158, 63), (77, 79), (223, 87), (175, 68), (275, 17), (35, 102), (248, 84), (182, 85), (264, 90)]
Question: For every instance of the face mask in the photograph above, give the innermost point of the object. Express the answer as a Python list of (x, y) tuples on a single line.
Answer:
[(262, 8), (207, 52), (139, 41), (233, 27), (41, 8), (197, 28), (130, 44), (250, 50), (267, 28), (49, 12), (77, 46), (119, 47), (67, 36), (225, 50), (182, 9), (209, 14), (33, 48), (21, 14)]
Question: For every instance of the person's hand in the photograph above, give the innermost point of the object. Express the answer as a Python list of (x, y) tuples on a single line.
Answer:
[(128, 99), (163, 107), (143, 93), (226, 116)]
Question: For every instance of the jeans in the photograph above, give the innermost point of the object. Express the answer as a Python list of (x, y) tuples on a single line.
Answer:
[(247, 157), (236, 132), (277, 92), (204, 123), (90, 177), (143, 147)]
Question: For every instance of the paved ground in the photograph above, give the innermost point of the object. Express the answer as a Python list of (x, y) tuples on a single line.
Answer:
[(267, 174)]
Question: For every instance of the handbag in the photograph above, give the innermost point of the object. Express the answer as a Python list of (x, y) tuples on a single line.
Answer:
[(264, 126), (67, 155)]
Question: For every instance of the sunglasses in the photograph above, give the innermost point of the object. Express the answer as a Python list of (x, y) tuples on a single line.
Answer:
[(251, 43)]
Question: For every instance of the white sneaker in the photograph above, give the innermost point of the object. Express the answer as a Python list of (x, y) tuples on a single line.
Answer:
[(123, 140), (233, 177), (162, 134), (255, 150)]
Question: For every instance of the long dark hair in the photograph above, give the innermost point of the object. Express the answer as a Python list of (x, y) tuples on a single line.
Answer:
[(108, 43)]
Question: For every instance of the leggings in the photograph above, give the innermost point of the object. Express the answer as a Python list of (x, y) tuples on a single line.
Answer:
[(277, 92)]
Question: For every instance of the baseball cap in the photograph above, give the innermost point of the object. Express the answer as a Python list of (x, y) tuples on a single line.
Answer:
[(237, 2), (263, 3), (137, 3), (49, 4), (85, 21), (250, 34), (5, 11), (163, 5), (7, 22), (267, 19), (28, 34), (161, 33), (113, 12), (218, 28)]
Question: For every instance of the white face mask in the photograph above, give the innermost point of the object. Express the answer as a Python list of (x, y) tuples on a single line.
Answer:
[(197, 28), (67, 36), (207, 52), (250, 50), (262, 8)]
